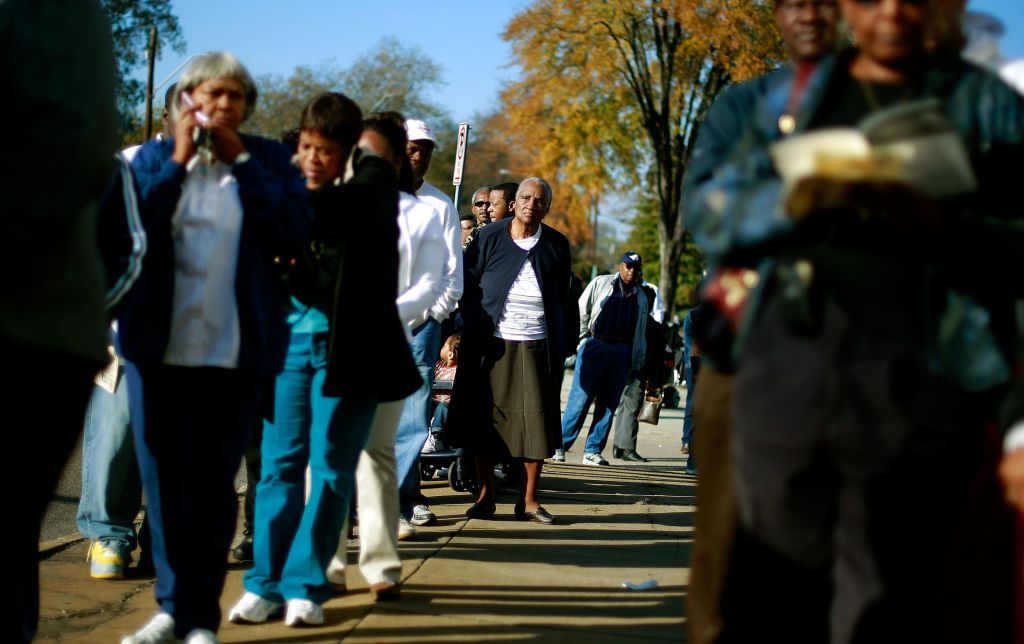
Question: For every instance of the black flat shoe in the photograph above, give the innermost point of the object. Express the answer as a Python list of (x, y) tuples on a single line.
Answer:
[(243, 551), (631, 455), (540, 515), (481, 510)]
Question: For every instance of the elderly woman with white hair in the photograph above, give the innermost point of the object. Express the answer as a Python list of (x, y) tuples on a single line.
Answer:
[(520, 326), (205, 331)]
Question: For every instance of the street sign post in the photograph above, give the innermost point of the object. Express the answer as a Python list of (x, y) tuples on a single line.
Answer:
[(460, 162)]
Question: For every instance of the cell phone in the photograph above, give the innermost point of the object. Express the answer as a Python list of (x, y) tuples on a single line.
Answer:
[(201, 117), (199, 135)]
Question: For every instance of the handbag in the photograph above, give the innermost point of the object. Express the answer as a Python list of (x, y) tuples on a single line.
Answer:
[(650, 410)]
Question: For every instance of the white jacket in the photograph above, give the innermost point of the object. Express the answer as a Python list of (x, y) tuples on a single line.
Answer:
[(450, 268), (421, 254)]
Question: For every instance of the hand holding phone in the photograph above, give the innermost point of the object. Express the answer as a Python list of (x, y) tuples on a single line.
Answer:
[(199, 135), (201, 117)]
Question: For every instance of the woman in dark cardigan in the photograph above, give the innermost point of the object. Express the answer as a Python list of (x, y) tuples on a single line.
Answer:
[(521, 324)]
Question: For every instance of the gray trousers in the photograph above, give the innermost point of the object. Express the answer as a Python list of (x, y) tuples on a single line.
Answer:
[(626, 425)]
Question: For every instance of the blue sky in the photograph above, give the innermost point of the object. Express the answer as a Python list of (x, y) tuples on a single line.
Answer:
[(270, 36), (463, 36)]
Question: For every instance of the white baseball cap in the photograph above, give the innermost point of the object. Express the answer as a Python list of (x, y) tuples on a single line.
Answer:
[(419, 131)]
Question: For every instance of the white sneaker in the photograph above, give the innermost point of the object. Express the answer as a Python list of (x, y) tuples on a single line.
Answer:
[(303, 612), (201, 636), (158, 630), (405, 531), (433, 444), (336, 576), (253, 609), (421, 515), (559, 456), (591, 458)]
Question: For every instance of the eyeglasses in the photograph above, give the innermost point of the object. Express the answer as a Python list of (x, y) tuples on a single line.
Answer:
[(481, 204)]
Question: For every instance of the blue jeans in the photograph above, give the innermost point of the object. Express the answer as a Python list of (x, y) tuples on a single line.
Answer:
[(414, 425), (191, 425), (691, 387), (601, 373), (111, 486), (295, 539), (691, 376)]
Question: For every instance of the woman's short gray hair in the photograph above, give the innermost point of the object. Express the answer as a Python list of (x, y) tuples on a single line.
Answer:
[(216, 64), (544, 185)]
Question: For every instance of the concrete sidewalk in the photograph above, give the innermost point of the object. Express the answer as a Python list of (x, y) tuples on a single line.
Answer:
[(473, 580)]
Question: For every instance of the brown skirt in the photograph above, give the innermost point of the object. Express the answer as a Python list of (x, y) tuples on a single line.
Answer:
[(525, 410)]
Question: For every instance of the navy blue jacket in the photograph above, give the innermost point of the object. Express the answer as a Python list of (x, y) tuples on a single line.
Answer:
[(493, 261), (276, 221)]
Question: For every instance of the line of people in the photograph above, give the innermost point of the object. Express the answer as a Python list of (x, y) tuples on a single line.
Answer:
[(264, 263)]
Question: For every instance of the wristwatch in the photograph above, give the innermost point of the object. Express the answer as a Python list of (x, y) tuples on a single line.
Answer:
[(241, 158)]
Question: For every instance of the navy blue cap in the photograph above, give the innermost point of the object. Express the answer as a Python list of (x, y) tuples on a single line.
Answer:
[(631, 257)]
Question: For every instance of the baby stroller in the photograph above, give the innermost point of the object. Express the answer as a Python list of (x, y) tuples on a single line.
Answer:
[(457, 463), (437, 457)]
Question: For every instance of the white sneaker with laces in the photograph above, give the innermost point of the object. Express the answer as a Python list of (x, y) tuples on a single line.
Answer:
[(253, 609), (591, 458), (421, 515), (559, 456), (201, 636), (158, 630), (303, 612), (405, 531)]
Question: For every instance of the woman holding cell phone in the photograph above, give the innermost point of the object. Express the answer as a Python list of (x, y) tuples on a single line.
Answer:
[(205, 331)]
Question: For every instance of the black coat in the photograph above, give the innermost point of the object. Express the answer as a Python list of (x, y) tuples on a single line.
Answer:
[(492, 262), (368, 354)]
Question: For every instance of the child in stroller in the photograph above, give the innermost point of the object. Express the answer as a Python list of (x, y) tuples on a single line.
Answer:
[(436, 456), (444, 376)]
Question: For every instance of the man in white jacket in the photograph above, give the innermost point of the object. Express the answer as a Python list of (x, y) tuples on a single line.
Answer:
[(613, 321), (413, 428)]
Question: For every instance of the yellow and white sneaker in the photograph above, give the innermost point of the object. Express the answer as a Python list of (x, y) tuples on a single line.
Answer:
[(108, 559)]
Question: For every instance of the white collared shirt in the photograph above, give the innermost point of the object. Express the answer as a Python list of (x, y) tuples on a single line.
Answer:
[(207, 227)]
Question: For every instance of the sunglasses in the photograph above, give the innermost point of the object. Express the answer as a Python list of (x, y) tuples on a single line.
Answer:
[(481, 204)]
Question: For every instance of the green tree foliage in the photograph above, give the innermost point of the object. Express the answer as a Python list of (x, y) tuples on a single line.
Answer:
[(130, 21), (618, 88), (643, 238), (392, 76)]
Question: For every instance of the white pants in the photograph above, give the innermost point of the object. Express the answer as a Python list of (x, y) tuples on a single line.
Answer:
[(377, 500)]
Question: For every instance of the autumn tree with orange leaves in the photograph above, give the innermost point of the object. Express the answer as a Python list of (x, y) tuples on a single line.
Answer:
[(613, 92)]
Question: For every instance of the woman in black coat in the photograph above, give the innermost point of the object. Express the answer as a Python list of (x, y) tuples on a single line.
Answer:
[(521, 323)]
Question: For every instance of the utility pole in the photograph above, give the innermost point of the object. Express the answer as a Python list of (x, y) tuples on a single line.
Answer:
[(151, 60)]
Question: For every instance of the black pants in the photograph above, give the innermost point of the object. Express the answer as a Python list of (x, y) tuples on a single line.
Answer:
[(191, 427), (854, 465), (44, 404)]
